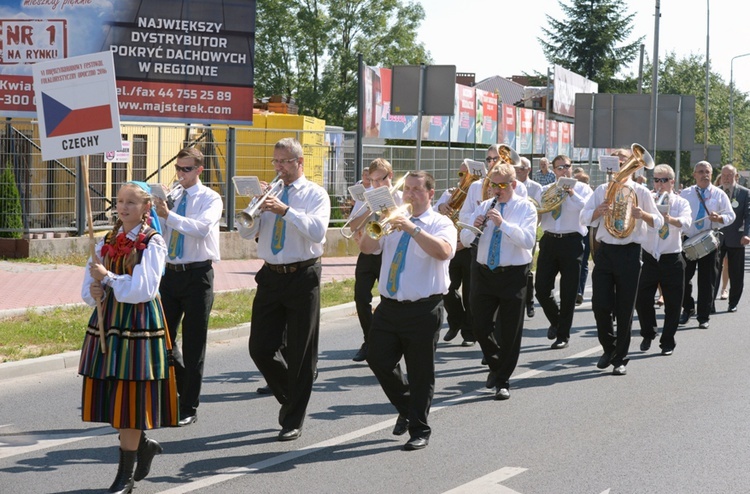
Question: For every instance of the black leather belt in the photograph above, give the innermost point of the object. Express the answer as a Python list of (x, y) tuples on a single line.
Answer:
[(562, 235), (500, 269), (188, 266), (431, 298), (292, 267)]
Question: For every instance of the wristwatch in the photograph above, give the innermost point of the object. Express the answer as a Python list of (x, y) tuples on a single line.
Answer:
[(416, 231)]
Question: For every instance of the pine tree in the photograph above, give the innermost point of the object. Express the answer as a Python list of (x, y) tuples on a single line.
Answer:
[(11, 224)]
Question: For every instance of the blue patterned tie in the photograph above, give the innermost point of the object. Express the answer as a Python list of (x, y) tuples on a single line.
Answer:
[(177, 239), (493, 257), (279, 226), (701, 210), (557, 212), (397, 264)]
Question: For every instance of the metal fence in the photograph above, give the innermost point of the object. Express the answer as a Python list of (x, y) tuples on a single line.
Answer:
[(52, 196)]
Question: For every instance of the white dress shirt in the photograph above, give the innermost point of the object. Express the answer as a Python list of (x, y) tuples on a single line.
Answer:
[(639, 234), (570, 211), (518, 229), (143, 284), (306, 225), (473, 199), (679, 209), (423, 275), (533, 190), (717, 201), (200, 225)]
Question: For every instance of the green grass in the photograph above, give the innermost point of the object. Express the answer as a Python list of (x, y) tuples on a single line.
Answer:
[(74, 259), (60, 330)]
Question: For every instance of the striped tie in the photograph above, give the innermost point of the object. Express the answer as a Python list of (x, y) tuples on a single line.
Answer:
[(279, 226), (177, 239), (397, 264), (493, 257)]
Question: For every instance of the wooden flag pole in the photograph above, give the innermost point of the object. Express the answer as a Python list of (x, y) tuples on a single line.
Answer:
[(92, 246)]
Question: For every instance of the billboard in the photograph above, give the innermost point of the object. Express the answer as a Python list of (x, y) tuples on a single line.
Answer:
[(192, 64)]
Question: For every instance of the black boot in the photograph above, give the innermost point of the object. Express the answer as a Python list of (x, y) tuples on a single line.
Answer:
[(147, 449), (123, 483)]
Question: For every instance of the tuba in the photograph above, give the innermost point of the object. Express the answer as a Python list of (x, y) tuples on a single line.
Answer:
[(459, 194), (619, 221), (507, 155)]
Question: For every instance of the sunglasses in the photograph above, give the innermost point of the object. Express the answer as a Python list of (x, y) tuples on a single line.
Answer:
[(492, 159), (563, 167), (501, 185), (662, 180), (185, 169)]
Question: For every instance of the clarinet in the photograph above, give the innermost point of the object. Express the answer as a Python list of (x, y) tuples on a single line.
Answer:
[(475, 242)]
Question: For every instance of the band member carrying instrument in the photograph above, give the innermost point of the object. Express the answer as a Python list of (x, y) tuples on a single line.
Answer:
[(711, 208), (498, 276), (534, 193), (663, 264), (624, 210), (406, 323), (456, 304), (561, 251)]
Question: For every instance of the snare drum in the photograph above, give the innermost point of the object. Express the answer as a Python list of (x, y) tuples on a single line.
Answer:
[(701, 244)]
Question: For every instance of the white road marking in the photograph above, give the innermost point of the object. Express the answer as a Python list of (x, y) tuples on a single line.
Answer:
[(20, 444), (489, 484)]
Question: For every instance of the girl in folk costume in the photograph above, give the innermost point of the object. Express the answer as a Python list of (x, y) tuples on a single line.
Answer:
[(132, 385)]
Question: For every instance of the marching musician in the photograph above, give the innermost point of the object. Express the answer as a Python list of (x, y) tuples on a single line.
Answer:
[(498, 277), (457, 306), (663, 264), (367, 270), (534, 191), (290, 232), (710, 208), (736, 236), (617, 266), (406, 323), (561, 252)]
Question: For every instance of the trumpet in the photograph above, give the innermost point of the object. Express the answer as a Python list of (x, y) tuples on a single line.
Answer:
[(346, 230), (382, 226), (247, 216)]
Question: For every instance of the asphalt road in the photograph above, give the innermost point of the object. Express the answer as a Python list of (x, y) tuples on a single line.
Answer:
[(675, 424)]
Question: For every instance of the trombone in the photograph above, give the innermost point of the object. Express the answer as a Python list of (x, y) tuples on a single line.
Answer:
[(247, 216), (346, 230)]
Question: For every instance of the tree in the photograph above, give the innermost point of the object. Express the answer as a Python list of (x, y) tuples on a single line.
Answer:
[(307, 49), (11, 224), (589, 41)]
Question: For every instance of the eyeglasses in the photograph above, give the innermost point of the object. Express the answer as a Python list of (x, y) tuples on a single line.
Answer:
[(185, 169), (283, 162), (563, 167), (662, 180), (492, 159), (501, 185)]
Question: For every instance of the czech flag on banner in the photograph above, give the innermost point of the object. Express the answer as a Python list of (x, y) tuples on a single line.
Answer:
[(67, 114)]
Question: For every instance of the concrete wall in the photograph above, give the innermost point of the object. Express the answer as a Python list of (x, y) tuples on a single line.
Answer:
[(232, 246)]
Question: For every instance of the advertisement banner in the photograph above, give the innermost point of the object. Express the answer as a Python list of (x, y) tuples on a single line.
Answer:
[(540, 133), (507, 130), (193, 64), (527, 128), (391, 126), (486, 121), (565, 142), (552, 141), (466, 118), (567, 84)]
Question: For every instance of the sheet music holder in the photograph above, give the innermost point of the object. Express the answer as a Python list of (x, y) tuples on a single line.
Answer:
[(247, 186)]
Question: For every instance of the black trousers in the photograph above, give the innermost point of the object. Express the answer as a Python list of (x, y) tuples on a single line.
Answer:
[(287, 304), (585, 262), (707, 276), (187, 297), (366, 273), (457, 305), (504, 291), (669, 272), (411, 331), (563, 256), (614, 282), (736, 266)]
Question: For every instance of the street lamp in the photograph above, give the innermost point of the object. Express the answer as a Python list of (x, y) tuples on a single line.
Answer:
[(731, 107)]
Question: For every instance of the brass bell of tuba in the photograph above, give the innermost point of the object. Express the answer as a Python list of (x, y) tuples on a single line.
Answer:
[(507, 155), (619, 221), (458, 197)]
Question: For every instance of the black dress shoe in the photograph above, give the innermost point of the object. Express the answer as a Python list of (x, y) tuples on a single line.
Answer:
[(401, 427), (288, 434), (552, 332), (452, 333), (190, 419), (502, 394), (560, 344), (484, 360), (264, 390), (491, 380), (667, 351), (361, 355), (732, 308), (604, 361), (645, 344), (468, 343), (530, 311), (416, 443), (685, 316)]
